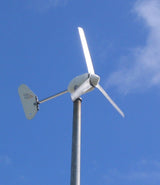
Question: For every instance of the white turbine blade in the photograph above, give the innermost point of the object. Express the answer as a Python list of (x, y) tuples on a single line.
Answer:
[(82, 89), (110, 100), (86, 51)]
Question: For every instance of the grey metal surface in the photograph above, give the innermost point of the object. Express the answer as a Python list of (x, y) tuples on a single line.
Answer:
[(77, 82), (28, 100), (84, 88), (76, 143), (53, 96)]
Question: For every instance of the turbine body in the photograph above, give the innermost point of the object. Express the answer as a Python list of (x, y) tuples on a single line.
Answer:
[(89, 80), (77, 81), (80, 85)]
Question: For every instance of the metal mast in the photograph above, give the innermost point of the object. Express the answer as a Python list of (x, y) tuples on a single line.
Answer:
[(76, 143)]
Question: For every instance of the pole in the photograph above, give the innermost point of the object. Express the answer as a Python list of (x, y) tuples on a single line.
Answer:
[(76, 143)]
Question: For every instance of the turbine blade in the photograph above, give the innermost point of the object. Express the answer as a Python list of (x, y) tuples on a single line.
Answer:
[(82, 89), (110, 100), (86, 51)]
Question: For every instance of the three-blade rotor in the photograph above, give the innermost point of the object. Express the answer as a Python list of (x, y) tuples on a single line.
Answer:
[(78, 86), (87, 85)]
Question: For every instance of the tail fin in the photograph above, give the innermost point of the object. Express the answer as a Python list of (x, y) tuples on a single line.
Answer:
[(29, 101)]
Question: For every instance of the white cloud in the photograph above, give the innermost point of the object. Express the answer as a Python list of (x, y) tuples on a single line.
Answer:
[(144, 62), (5, 160), (151, 163), (144, 172)]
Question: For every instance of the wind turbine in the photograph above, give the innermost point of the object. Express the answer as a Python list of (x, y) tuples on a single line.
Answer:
[(78, 86)]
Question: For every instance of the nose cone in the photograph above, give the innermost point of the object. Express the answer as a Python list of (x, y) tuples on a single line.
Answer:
[(94, 80)]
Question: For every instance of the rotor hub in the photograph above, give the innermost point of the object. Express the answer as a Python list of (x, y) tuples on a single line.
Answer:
[(94, 79)]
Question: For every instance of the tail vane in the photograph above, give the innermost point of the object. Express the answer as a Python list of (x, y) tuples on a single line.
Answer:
[(29, 101)]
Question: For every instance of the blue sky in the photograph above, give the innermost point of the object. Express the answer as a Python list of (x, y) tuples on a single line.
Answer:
[(40, 46)]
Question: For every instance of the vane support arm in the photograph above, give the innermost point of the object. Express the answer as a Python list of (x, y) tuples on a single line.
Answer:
[(53, 96)]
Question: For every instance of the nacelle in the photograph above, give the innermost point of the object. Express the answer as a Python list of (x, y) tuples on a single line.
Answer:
[(79, 80)]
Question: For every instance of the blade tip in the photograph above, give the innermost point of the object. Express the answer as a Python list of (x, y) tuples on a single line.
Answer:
[(123, 115), (80, 28)]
